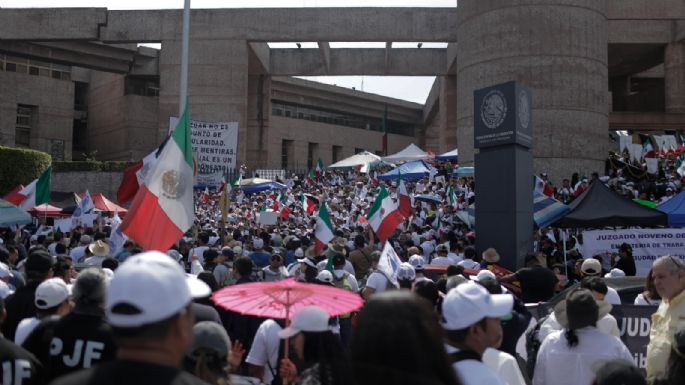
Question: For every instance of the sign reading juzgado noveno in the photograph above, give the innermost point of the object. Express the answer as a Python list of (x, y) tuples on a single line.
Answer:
[(215, 148)]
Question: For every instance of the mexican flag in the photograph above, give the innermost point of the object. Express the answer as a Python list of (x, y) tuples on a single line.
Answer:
[(162, 209), (542, 187), (384, 216), (318, 171), (205, 195), (647, 146), (451, 197), (323, 230), (37, 192), (307, 204), (403, 198), (309, 179)]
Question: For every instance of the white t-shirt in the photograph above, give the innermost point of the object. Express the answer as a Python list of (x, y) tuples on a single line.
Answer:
[(455, 258), (641, 300), (348, 266), (265, 349), (200, 252), (442, 261), (559, 364), (25, 328), (612, 297), (473, 372), (505, 365), (469, 264), (95, 260), (77, 253), (607, 325), (377, 281)]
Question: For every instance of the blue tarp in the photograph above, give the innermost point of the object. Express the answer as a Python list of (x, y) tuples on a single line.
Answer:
[(253, 188), (675, 210), (464, 171), (410, 171), (546, 210), (449, 155)]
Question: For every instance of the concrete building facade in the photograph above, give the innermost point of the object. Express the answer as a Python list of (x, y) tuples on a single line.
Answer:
[(594, 66)]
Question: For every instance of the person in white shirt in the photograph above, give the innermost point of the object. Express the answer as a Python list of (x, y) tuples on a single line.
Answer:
[(418, 263), (377, 281), (456, 253), (606, 324), (100, 251), (593, 268), (471, 319), (78, 252), (649, 297), (505, 365), (441, 257), (468, 262), (199, 251), (263, 355), (567, 356), (52, 298)]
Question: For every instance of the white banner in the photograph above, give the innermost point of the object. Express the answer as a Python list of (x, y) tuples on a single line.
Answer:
[(625, 142), (215, 148), (647, 244)]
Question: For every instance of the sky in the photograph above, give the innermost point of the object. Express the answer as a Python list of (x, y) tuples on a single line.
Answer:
[(414, 89)]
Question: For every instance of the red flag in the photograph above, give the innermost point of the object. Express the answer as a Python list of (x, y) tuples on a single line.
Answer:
[(285, 212), (129, 184), (15, 196)]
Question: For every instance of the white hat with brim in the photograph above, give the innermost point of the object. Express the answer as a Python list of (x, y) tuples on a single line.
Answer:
[(561, 309), (147, 288), (470, 302), (99, 248), (307, 319)]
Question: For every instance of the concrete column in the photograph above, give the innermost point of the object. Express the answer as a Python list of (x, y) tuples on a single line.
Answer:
[(217, 84), (448, 113), (258, 112), (558, 49), (674, 77)]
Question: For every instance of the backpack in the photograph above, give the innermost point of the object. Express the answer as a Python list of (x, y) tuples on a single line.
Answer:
[(533, 345), (342, 282)]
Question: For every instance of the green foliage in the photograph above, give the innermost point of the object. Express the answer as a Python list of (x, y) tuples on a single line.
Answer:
[(20, 166)]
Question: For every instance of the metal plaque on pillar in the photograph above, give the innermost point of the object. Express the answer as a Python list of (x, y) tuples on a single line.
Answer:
[(504, 170)]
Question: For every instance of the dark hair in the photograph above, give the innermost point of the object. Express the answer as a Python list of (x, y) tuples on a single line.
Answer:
[(491, 285), (571, 337), (470, 253), (398, 340), (594, 284), (60, 249), (428, 291), (4, 253), (650, 289), (326, 349), (359, 241), (99, 236), (310, 273), (110, 263), (243, 266), (454, 270), (203, 237), (209, 279), (61, 266), (210, 255), (459, 336)]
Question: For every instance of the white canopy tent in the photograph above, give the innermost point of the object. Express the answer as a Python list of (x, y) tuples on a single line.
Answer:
[(361, 159), (411, 152)]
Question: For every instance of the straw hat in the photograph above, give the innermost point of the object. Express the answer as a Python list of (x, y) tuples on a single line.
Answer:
[(580, 309), (99, 248), (491, 256)]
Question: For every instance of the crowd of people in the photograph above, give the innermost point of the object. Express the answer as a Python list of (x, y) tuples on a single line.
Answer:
[(74, 311)]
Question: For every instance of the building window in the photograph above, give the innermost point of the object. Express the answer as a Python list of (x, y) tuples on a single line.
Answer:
[(311, 153), (337, 151), (286, 148), (33, 67), (24, 122)]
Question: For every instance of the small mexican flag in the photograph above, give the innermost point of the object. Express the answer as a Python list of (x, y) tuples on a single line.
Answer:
[(307, 204), (163, 209), (451, 197), (647, 146), (318, 171), (37, 192), (310, 178), (323, 230), (403, 197), (384, 216)]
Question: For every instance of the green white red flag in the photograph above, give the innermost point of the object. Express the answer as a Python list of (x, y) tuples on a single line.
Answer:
[(384, 216), (323, 230), (162, 210), (307, 204), (37, 192)]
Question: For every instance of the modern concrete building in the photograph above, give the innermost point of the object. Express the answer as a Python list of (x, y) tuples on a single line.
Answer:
[(594, 66)]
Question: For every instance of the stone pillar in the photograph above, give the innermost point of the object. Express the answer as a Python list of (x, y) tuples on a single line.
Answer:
[(558, 49), (217, 84), (258, 113), (448, 113), (674, 77)]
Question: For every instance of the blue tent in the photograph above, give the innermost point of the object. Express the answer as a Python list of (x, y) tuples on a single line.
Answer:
[(675, 210), (410, 171), (449, 155), (463, 171), (257, 187)]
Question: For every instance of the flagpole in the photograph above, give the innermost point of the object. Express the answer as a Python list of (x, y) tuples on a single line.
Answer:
[(183, 91)]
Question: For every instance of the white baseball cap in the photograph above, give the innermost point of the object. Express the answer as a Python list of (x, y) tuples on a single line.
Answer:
[(615, 273), (417, 262), (258, 243), (51, 293), (470, 302), (150, 287), (406, 272), (325, 276), (483, 275), (307, 319), (299, 252)]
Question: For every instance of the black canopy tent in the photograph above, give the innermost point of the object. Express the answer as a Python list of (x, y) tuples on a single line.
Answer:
[(599, 207)]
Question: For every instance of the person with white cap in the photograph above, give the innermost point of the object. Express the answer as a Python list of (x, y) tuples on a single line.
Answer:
[(149, 305), (418, 262), (593, 268), (377, 282), (471, 320), (566, 356), (441, 256), (320, 352), (52, 298), (259, 256), (406, 275)]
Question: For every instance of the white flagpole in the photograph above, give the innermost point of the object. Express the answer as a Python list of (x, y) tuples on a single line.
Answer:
[(183, 91)]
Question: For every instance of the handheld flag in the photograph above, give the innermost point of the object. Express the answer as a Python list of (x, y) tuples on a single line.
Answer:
[(389, 264), (323, 230), (37, 192), (384, 216)]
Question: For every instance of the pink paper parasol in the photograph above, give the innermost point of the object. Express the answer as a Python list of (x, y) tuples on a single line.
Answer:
[(282, 298)]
